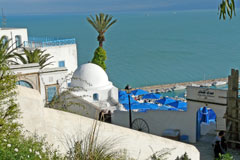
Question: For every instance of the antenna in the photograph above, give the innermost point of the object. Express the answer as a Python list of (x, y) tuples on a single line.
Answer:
[(4, 20)]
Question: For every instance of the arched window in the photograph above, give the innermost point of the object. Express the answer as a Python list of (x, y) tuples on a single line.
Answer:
[(95, 97), (18, 41), (24, 83)]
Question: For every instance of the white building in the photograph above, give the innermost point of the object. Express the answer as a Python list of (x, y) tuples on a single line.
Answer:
[(64, 51), (49, 82), (16, 35), (91, 83)]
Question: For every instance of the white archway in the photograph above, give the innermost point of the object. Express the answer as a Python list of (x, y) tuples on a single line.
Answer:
[(216, 99)]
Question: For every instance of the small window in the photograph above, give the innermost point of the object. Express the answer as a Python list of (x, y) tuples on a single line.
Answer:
[(18, 41), (5, 39), (61, 64), (69, 84), (51, 92), (95, 97)]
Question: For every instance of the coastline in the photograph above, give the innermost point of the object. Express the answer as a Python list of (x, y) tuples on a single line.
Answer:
[(167, 86)]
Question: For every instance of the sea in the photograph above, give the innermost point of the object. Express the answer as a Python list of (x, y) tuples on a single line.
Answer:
[(150, 48)]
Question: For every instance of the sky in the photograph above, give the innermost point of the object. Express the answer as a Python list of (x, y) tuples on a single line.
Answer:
[(31, 7)]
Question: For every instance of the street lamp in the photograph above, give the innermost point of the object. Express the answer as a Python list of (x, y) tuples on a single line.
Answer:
[(128, 90)]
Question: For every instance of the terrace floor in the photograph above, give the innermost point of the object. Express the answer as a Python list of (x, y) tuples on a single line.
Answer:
[(206, 150)]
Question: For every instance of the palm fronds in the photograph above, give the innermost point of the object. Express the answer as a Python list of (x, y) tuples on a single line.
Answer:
[(6, 53), (34, 56), (227, 7), (101, 23)]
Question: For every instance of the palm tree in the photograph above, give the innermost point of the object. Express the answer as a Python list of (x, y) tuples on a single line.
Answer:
[(6, 53), (101, 24), (226, 7), (34, 56)]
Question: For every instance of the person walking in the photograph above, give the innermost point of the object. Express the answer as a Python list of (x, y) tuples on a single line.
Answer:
[(219, 145)]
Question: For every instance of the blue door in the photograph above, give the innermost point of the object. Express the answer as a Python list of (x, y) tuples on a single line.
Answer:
[(198, 126), (51, 92)]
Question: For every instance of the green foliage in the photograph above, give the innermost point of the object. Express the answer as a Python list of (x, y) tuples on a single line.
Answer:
[(101, 23), (100, 57), (31, 147), (6, 53), (183, 157), (34, 56), (227, 156), (160, 155), (9, 110), (13, 144), (89, 148), (227, 7)]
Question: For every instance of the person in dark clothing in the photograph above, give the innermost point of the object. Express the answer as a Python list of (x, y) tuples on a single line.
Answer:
[(223, 141), (218, 148)]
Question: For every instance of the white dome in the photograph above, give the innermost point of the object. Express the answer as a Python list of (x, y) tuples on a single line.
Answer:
[(89, 76)]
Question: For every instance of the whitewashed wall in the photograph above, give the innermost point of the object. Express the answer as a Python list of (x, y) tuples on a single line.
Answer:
[(215, 99), (57, 125), (25, 68), (10, 33), (105, 93), (52, 76), (67, 53), (159, 121)]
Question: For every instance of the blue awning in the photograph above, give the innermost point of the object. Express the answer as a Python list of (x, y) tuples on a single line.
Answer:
[(179, 104), (124, 99), (138, 92), (151, 96), (142, 106), (168, 108), (120, 93), (165, 100)]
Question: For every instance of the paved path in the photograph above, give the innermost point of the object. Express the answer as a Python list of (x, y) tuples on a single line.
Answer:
[(206, 150)]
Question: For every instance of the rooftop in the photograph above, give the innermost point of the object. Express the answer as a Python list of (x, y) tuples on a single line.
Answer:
[(40, 42), (11, 28)]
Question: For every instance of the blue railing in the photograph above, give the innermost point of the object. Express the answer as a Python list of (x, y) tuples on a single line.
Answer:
[(39, 42)]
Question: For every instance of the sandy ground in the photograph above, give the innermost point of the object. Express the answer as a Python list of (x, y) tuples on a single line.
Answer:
[(206, 150)]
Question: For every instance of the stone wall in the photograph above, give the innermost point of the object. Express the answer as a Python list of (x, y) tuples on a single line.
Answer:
[(58, 126)]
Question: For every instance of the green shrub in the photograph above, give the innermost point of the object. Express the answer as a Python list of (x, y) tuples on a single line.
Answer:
[(160, 155), (26, 147), (90, 148), (227, 156), (183, 157), (14, 145), (100, 57)]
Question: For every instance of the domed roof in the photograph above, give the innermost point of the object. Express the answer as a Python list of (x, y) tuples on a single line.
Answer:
[(88, 76)]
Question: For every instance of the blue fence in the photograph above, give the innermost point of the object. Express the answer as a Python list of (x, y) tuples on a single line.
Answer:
[(38, 42)]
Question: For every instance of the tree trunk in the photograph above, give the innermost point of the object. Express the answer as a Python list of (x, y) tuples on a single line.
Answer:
[(100, 43), (101, 39)]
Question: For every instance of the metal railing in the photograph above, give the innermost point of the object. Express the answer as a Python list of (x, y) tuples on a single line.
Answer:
[(39, 42)]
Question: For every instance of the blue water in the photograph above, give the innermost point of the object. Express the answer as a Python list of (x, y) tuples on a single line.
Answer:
[(151, 48)]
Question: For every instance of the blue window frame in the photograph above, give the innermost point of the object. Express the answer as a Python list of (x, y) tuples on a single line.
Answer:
[(61, 63), (24, 83), (5, 39), (95, 97), (18, 40), (51, 92)]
